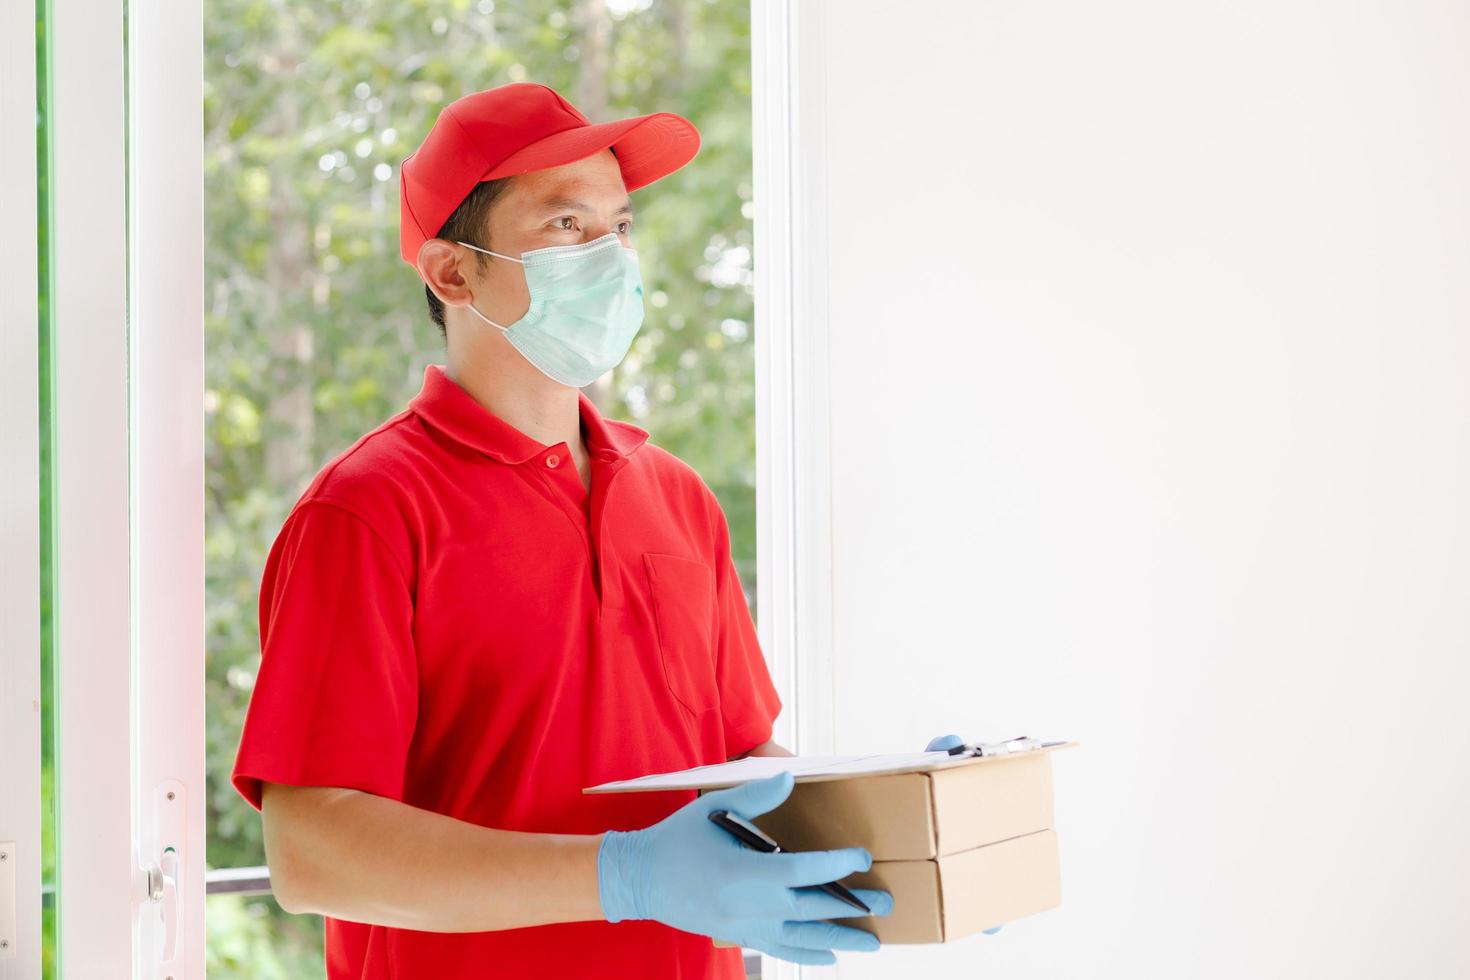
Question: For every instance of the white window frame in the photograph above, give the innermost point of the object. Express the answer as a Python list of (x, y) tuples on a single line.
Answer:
[(20, 583), (127, 150), (165, 71), (793, 480)]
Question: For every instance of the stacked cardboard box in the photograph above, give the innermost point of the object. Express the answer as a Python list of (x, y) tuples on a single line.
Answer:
[(961, 849)]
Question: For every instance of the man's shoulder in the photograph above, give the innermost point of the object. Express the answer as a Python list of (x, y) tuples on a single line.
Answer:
[(673, 476), (662, 462), (373, 477)]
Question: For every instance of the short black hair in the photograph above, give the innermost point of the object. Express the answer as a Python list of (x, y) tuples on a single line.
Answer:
[(468, 222)]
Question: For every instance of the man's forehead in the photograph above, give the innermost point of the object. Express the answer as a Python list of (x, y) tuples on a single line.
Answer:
[(582, 199), (579, 186), (573, 195)]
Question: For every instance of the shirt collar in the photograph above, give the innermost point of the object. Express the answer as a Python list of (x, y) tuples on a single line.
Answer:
[(452, 410)]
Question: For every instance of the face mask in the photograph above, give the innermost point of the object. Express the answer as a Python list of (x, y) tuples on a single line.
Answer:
[(586, 307)]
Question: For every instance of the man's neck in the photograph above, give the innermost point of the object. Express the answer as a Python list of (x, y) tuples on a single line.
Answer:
[(528, 400)]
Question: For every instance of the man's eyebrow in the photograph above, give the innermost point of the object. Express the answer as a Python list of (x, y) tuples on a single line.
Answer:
[(563, 203)]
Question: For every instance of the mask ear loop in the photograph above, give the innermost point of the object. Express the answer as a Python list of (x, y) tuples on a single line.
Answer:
[(472, 305), (482, 316), (488, 251)]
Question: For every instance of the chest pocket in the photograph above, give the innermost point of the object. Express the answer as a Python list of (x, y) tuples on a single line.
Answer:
[(683, 592)]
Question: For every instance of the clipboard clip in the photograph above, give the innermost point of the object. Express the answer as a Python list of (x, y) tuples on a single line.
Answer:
[(1021, 743)]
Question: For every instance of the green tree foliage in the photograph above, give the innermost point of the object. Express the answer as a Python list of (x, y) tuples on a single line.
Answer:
[(317, 331)]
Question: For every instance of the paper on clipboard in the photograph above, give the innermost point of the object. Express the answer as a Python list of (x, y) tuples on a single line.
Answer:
[(804, 768)]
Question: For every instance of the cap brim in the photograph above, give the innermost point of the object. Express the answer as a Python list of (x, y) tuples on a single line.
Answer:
[(648, 147)]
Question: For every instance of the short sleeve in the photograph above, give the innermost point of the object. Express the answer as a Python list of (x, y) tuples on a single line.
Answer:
[(336, 697), (749, 703)]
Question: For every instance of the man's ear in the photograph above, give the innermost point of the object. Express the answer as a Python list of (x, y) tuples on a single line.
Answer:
[(438, 266)]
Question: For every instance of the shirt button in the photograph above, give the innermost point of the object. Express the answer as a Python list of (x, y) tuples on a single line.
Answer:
[(552, 460)]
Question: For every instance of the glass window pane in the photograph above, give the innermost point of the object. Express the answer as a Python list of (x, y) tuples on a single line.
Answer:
[(316, 331)]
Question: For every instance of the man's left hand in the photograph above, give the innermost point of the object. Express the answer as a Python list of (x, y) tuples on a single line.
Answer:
[(941, 743)]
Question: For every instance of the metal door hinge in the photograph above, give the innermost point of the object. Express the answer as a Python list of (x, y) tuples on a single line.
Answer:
[(8, 938)]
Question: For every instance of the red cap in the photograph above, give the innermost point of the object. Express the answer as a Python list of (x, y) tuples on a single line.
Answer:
[(517, 128)]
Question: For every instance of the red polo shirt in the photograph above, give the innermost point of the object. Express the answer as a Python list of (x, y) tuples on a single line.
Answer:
[(447, 618)]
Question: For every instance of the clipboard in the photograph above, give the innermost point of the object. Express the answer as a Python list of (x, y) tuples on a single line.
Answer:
[(819, 768)]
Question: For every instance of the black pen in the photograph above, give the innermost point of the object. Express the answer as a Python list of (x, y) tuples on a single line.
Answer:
[(752, 836)]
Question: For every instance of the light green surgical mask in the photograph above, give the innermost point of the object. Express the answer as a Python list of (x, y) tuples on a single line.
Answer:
[(586, 307)]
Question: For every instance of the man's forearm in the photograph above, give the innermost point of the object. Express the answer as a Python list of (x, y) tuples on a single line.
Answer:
[(768, 748), (352, 855)]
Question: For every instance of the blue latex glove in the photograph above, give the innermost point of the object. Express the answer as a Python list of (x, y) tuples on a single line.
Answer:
[(688, 873), (941, 742)]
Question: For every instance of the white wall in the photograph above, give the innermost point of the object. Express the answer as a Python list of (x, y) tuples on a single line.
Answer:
[(1150, 373)]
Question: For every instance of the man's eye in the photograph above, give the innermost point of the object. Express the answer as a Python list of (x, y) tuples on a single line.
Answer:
[(568, 222)]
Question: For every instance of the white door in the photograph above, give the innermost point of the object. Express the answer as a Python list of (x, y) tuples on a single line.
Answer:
[(118, 216)]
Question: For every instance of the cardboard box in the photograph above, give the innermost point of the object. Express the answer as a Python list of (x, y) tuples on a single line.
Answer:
[(919, 815), (961, 849), (957, 895)]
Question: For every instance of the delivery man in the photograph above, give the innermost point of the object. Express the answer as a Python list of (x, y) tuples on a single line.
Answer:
[(498, 597)]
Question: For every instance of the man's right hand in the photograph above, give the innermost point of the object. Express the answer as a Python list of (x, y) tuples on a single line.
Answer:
[(686, 872)]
